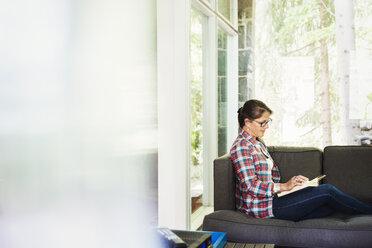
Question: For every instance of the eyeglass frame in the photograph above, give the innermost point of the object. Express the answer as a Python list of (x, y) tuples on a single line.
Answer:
[(264, 123)]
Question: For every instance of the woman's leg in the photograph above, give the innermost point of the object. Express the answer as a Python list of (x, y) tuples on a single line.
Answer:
[(307, 202), (321, 212)]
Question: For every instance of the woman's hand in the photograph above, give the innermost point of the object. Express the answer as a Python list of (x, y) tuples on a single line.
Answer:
[(294, 181)]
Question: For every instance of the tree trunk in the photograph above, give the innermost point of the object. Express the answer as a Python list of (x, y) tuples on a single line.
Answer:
[(324, 77), (345, 45)]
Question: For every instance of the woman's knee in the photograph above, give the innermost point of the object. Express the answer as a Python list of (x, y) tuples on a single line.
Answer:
[(328, 187)]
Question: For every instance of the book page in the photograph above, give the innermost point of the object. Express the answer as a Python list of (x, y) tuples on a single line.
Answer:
[(313, 183)]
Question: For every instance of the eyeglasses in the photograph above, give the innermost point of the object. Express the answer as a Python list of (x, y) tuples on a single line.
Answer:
[(264, 123)]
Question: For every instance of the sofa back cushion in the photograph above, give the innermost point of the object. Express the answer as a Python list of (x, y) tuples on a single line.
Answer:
[(290, 160), (349, 168)]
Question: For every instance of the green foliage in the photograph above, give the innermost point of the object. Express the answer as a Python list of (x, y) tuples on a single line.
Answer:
[(363, 34), (370, 97), (367, 112), (297, 24), (196, 89)]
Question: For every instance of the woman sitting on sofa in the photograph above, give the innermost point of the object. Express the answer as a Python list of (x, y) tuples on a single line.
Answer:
[(258, 177)]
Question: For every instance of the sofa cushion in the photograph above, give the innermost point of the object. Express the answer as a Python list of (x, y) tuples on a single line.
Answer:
[(338, 230), (349, 168), (292, 161)]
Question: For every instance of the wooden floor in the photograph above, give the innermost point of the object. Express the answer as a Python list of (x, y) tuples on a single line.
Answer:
[(239, 245)]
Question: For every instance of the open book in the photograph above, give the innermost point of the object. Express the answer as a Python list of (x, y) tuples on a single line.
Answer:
[(314, 183)]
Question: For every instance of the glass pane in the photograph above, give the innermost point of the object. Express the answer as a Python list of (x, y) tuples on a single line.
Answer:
[(297, 75), (224, 8), (196, 56), (222, 93), (246, 76)]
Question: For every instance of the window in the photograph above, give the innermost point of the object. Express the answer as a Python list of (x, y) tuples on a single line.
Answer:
[(225, 9), (311, 68), (196, 60), (222, 93), (213, 81)]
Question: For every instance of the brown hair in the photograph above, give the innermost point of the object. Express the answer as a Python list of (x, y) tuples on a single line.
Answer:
[(252, 109)]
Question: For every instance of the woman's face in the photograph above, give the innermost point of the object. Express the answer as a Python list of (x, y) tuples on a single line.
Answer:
[(254, 127)]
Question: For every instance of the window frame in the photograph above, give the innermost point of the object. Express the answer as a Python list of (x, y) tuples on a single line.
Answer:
[(212, 21), (174, 112)]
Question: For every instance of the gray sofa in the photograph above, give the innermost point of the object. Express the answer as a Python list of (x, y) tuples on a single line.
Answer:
[(349, 168)]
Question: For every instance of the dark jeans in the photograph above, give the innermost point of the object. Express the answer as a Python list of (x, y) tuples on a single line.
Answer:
[(317, 202)]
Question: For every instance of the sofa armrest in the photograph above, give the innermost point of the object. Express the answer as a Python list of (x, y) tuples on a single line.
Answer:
[(224, 184)]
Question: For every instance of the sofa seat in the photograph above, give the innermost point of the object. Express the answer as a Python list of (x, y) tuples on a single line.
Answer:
[(338, 230)]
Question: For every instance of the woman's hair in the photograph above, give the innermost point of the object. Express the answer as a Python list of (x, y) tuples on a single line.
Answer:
[(252, 109)]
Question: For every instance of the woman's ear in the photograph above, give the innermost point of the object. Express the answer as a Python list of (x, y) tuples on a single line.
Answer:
[(247, 121)]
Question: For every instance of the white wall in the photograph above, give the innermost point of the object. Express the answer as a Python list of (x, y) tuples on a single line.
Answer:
[(78, 121)]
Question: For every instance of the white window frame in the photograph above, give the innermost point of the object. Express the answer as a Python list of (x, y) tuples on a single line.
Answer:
[(173, 25), (174, 147)]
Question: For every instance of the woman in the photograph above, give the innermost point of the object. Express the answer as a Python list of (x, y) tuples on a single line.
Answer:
[(258, 177)]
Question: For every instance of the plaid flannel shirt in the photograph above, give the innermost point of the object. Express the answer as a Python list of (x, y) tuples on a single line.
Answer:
[(254, 180)]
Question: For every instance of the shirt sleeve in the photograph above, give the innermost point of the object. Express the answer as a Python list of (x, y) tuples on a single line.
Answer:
[(246, 173), (276, 187), (275, 174)]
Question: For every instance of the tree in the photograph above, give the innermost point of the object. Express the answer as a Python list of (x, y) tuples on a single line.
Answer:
[(326, 114), (345, 46)]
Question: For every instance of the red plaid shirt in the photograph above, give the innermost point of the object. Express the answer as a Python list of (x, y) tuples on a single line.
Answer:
[(254, 180)]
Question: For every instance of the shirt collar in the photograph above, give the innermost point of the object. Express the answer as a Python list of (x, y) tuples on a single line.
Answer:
[(247, 136)]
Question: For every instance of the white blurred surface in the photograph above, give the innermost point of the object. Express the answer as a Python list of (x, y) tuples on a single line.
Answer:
[(77, 123)]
